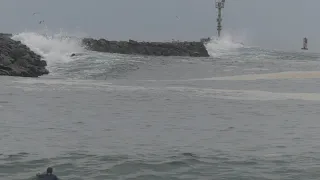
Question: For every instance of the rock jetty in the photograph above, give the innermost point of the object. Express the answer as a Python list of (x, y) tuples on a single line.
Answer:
[(193, 49), (16, 59)]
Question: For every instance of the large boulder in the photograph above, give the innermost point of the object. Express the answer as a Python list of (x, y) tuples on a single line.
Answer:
[(194, 49), (16, 59)]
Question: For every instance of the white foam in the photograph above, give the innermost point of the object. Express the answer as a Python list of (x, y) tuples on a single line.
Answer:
[(248, 95), (245, 95), (227, 44), (55, 48), (256, 69), (253, 77), (280, 75)]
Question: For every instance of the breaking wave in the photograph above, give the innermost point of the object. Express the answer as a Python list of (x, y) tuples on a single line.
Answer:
[(227, 44), (54, 48)]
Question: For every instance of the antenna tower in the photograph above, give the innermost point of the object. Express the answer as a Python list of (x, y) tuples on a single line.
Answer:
[(219, 6)]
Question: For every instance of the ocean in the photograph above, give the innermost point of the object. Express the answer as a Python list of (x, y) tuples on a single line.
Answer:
[(243, 113)]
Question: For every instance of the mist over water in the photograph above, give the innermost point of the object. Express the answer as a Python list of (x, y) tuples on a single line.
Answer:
[(243, 113)]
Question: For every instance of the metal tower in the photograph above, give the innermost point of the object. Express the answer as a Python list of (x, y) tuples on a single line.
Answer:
[(219, 6)]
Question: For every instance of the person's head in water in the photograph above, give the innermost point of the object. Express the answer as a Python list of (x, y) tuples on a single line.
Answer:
[(48, 176), (49, 170)]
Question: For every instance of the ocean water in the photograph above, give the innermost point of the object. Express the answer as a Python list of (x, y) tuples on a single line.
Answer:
[(243, 113)]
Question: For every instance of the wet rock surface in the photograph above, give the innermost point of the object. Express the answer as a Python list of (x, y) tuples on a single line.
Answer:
[(16, 59), (193, 49)]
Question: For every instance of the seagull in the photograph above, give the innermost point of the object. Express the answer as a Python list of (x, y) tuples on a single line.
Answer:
[(40, 22)]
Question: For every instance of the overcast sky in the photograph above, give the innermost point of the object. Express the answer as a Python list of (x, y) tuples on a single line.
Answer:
[(266, 23)]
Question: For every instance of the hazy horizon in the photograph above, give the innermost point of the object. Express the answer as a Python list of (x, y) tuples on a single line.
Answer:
[(271, 24)]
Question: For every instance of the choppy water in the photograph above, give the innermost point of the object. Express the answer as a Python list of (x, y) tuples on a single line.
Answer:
[(244, 113)]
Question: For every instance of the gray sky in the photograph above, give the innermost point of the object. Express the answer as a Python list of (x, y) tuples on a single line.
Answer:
[(266, 23)]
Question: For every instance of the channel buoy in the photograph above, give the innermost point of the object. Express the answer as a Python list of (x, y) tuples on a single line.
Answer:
[(305, 44)]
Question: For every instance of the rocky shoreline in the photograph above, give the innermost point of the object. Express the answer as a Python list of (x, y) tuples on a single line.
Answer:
[(16, 59), (193, 49)]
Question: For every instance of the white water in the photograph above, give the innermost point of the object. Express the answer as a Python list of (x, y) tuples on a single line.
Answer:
[(225, 45), (55, 48)]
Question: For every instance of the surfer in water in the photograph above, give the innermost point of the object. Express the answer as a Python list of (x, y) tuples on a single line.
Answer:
[(48, 175)]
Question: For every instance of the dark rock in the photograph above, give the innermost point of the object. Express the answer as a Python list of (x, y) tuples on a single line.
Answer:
[(42, 63), (194, 49), (16, 59), (4, 73), (6, 68), (205, 40), (5, 60)]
